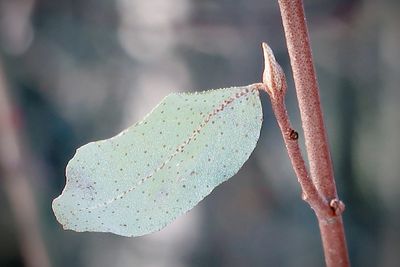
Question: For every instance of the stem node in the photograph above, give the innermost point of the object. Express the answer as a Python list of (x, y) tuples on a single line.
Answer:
[(337, 206)]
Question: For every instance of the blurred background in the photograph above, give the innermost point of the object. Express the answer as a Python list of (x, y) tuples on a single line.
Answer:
[(77, 71)]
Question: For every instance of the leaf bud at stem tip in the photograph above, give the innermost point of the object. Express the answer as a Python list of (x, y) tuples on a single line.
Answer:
[(273, 75)]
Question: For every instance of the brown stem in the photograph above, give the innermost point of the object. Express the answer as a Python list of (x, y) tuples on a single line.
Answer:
[(274, 83), (308, 96), (331, 225), (290, 137)]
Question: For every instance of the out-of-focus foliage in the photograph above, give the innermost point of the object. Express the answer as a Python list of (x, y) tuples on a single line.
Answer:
[(80, 71)]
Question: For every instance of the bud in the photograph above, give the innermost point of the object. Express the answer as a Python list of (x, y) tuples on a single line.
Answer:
[(273, 76)]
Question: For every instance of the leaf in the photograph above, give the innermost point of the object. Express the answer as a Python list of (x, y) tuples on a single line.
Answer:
[(142, 179)]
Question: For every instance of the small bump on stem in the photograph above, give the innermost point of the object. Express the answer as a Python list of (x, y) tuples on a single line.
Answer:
[(293, 135), (337, 206)]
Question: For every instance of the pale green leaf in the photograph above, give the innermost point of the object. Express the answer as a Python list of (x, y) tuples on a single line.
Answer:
[(142, 179)]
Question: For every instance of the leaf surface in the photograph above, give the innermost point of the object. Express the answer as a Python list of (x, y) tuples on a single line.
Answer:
[(139, 181)]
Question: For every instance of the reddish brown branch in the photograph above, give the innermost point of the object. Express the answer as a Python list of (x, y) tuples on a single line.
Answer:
[(309, 191), (334, 242), (274, 83), (308, 96), (329, 217)]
